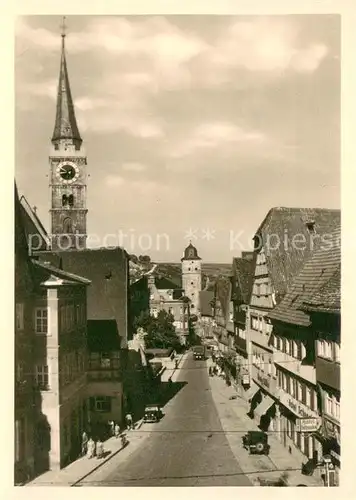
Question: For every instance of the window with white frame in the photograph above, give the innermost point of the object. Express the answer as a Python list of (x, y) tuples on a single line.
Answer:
[(293, 387), (102, 404), (270, 366), (242, 333), (41, 320), (337, 406), (324, 349), (308, 396), (294, 352), (328, 403), (288, 342), (337, 352), (254, 322), (41, 375), (19, 309), (303, 350), (105, 360), (274, 370), (299, 391)]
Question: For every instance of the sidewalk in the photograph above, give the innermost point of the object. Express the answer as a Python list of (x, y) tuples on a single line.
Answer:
[(171, 371), (235, 423), (82, 467)]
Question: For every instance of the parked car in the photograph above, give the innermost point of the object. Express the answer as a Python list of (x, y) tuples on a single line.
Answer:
[(256, 442), (153, 413)]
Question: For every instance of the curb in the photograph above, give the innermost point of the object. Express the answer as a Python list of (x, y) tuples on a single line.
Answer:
[(99, 465), (175, 369)]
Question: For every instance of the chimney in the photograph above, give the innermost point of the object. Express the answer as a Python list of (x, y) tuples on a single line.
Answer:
[(247, 255)]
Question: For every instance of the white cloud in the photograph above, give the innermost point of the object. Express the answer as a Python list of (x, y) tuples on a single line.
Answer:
[(114, 180), (40, 89), (208, 136), (265, 45), (134, 167)]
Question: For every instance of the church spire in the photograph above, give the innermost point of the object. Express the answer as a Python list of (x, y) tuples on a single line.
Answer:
[(65, 127)]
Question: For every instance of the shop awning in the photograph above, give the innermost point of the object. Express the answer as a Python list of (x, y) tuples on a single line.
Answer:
[(252, 391), (265, 405)]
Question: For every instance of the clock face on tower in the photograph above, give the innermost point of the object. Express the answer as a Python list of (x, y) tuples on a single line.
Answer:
[(67, 172)]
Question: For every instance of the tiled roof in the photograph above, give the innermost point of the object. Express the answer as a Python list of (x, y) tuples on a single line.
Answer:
[(103, 335), (315, 274), (205, 297), (163, 283), (35, 232), (243, 270), (45, 271), (328, 297), (23, 265), (223, 293), (285, 256), (107, 269), (247, 255), (170, 272)]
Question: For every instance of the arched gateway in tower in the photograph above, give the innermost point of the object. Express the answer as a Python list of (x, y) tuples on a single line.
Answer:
[(68, 174), (191, 277)]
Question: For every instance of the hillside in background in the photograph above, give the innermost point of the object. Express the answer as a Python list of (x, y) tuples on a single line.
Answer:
[(172, 270)]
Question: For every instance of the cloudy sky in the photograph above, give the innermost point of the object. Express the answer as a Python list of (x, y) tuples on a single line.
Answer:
[(198, 123)]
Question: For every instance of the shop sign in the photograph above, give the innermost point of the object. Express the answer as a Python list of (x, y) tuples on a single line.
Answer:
[(308, 424), (299, 409)]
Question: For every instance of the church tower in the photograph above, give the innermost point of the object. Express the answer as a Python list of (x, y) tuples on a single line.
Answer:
[(68, 173), (191, 277)]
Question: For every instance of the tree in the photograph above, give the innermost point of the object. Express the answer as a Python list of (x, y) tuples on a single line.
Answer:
[(143, 321), (144, 259), (161, 333)]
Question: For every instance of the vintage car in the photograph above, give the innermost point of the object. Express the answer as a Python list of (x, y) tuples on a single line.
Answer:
[(153, 413), (256, 442)]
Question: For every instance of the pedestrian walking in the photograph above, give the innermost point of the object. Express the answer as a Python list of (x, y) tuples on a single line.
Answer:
[(117, 430), (91, 448), (129, 421), (84, 443), (176, 364), (112, 427), (99, 449)]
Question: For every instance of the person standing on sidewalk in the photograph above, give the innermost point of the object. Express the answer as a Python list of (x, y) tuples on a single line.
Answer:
[(91, 448), (99, 449), (84, 443), (111, 427), (117, 430), (128, 421)]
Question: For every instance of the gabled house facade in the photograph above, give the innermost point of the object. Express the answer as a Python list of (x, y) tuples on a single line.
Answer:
[(294, 342), (167, 295), (206, 322), (285, 240), (60, 364), (324, 310), (223, 314), (242, 271), (24, 467)]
